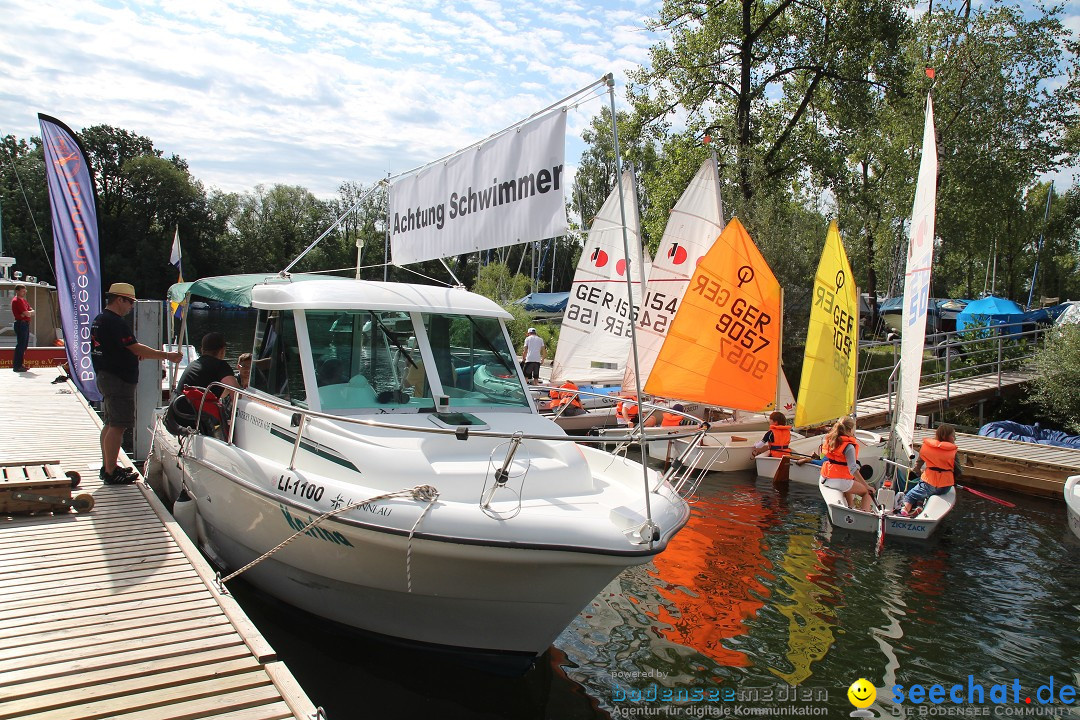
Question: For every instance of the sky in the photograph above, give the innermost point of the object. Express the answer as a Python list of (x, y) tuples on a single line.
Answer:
[(315, 93)]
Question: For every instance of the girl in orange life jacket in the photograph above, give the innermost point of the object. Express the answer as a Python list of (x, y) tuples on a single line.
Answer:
[(841, 462), (938, 454), (776, 440)]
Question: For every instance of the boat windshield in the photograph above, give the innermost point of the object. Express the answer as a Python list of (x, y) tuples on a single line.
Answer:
[(366, 360), (475, 366)]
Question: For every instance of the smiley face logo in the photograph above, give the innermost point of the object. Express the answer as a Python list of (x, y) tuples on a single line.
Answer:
[(861, 693)]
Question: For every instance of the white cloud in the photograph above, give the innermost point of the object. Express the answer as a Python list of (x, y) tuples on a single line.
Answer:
[(309, 93)]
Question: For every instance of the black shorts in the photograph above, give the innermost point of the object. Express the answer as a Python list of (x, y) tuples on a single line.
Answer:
[(532, 371), (117, 400)]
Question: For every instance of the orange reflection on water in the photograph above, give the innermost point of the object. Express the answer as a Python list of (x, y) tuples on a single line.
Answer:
[(709, 577)]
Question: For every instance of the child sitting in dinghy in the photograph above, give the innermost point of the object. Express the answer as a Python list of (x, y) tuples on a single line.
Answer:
[(938, 456), (841, 466)]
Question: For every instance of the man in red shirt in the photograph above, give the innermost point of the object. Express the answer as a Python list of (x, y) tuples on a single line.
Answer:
[(22, 312)]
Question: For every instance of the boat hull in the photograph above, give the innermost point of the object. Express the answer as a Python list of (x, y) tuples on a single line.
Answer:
[(496, 596), (1072, 503), (871, 451), (921, 527)]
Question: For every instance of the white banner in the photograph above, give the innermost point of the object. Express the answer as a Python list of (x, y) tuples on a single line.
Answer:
[(505, 191)]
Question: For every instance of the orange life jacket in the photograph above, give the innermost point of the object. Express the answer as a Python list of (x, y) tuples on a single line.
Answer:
[(630, 412), (566, 395), (781, 439), (939, 456), (835, 465), (671, 420)]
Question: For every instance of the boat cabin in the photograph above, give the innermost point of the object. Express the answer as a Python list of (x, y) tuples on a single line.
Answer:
[(348, 346)]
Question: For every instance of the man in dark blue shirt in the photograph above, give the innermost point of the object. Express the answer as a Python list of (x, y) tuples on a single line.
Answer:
[(116, 356)]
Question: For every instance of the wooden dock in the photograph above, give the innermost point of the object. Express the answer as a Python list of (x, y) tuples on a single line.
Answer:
[(873, 412), (1011, 465), (110, 612)]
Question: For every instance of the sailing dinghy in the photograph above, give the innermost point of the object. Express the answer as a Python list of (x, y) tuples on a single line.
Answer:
[(827, 386), (594, 341), (883, 519), (723, 347), (1072, 503)]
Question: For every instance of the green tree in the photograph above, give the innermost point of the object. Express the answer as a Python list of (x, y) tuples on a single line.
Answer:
[(751, 73), (24, 207), (1057, 375)]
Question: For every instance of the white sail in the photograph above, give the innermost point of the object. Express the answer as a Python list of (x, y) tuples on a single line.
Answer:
[(917, 287), (694, 224), (594, 342)]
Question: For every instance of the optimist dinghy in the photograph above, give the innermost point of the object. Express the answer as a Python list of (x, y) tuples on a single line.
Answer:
[(417, 502), (884, 519), (830, 361)]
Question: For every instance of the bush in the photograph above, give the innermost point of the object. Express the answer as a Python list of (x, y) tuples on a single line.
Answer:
[(1057, 377)]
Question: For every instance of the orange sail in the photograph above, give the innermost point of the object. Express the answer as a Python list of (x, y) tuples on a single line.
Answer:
[(723, 347)]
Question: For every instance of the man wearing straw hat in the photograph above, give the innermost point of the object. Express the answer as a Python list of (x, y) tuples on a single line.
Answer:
[(116, 357)]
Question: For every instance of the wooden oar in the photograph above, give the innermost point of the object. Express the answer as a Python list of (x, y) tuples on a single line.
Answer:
[(983, 495)]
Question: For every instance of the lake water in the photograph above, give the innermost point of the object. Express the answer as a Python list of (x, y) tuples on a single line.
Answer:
[(758, 606)]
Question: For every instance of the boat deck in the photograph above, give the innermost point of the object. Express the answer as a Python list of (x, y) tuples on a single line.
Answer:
[(1022, 467), (873, 412), (111, 612)]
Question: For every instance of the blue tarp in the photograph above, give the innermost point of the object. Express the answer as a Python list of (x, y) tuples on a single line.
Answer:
[(1009, 430), (551, 303), (991, 311)]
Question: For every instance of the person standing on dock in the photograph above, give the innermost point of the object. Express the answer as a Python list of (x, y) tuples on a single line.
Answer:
[(532, 354), (22, 312), (938, 456), (116, 355)]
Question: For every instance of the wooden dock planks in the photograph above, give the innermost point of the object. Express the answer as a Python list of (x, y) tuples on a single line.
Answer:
[(111, 613), (1022, 467), (873, 412)]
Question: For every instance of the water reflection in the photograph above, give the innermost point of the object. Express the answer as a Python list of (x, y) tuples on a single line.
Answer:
[(756, 595)]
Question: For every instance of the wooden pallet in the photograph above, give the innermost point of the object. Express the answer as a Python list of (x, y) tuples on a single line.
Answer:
[(39, 487)]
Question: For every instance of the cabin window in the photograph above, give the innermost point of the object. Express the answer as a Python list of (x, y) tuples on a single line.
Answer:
[(367, 361), (277, 368), (475, 365)]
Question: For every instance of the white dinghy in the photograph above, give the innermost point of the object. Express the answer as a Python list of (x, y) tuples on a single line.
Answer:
[(420, 504), (884, 519)]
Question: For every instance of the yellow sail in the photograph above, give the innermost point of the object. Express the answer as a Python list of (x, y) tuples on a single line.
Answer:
[(723, 347), (827, 387)]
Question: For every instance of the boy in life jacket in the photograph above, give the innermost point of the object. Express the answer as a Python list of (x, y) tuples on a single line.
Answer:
[(938, 456), (566, 395), (840, 469), (776, 440), (673, 419)]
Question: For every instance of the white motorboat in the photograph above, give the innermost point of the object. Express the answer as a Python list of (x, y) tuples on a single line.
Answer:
[(46, 349), (1072, 503), (424, 506)]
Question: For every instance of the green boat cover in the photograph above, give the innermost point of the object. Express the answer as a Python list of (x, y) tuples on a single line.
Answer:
[(236, 289)]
